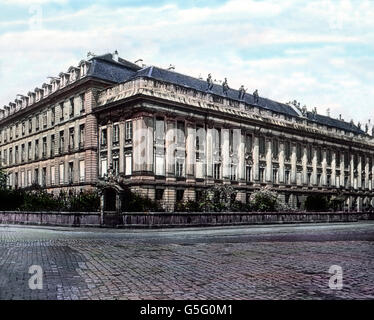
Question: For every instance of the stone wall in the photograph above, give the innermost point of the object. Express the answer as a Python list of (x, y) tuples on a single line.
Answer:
[(71, 219), (157, 220)]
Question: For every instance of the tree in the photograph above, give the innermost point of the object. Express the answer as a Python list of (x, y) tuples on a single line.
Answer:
[(3, 179), (265, 200)]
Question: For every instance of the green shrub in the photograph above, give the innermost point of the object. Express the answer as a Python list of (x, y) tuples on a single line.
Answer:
[(265, 200), (133, 202)]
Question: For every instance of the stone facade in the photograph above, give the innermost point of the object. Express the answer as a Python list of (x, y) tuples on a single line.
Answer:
[(170, 142)]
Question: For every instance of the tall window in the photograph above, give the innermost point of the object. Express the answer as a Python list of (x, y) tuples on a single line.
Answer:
[(71, 107), (71, 138), (62, 173), (62, 142), (261, 142), (53, 146), (128, 131), (61, 111), (82, 170), (217, 171), (328, 157), (180, 133), (116, 166), (29, 151), (299, 152), (309, 153), (44, 147), (82, 100), (116, 134), (275, 148), (103, 140), (248, 143), (287, 150), (71, 172), (37, 121), (81, 136), (53, 175), (217, 141), (179, 167), (30, 125), (45, 120), (319, 155), (53, 116), (36, 149)]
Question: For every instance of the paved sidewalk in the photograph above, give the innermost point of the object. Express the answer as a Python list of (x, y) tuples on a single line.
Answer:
[(268, 262)]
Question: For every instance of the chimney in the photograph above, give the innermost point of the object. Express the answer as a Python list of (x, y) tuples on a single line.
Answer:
[(115, 56)]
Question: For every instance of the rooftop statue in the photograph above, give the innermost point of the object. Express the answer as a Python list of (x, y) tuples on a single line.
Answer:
[(359, 125), (210, 82), (255, 96), (304, 110), (314, 110), (366, 128), (225, 86), (242, 92)]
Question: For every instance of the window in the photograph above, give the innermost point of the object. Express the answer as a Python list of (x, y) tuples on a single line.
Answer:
[(328, 157), (71, 172), (231, 140), (248, 173), (287, 177), (128, 131), (45, 120), (29, 151), (81, 136), (217, 142), (159, 194), (23, 153), (248, 143), (275, 175), (299, 152), (62, 173), (346, 160), (30, 125), (180, 133), (82, 171), (44, 147), (53, 175), (16, 155), (217, 171), (61, 148), (72, 111), (275, 148), (53, 116), (29, 181), (261, 141), (71, 139), (10, 156), (287, 150), (319, 155), (309, 153), (103, 140), (128, 164), (116, 166), (233, 172), (104, 167), (36, 149), (200, 139), (262, 175), (61, 111), (179, 167), (53, 145), (37, 122), (44, 176), (116, 134), (82, 101), (36, 176), (179, 195)]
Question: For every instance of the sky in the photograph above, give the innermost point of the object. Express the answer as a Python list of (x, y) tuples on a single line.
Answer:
[(319, 52)]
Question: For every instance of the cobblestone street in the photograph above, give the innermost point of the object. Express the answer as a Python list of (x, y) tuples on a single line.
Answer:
[(253, 262)]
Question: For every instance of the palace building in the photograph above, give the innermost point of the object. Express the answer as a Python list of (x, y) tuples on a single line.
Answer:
[(170, 136)]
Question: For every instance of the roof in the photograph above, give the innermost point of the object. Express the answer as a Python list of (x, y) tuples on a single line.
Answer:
[(264, 103)]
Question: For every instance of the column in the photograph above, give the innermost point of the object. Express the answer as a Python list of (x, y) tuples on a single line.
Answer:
[(367, 171), (333, 168), (324, 167), (256, 159), (190, 150), (281, 162), (110, 142), (142, 144), (121, 146), (209, 152), (269, 163), (293, 164), (359, 172), (314, 165), (352, 184), (170, 147), (342, 172), (305, 168), (225, 153), (372, 174), (241, 155)]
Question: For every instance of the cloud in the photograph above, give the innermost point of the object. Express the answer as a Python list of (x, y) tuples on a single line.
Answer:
[(318, 52)]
